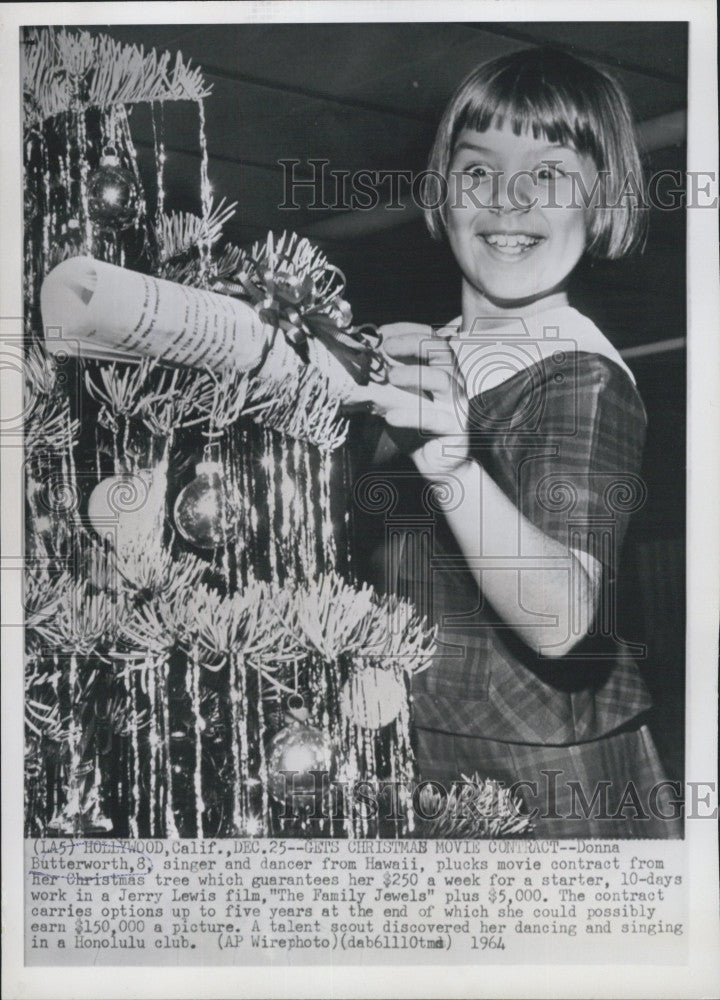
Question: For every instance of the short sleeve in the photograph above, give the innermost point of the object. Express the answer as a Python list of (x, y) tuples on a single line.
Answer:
[(565, 442)]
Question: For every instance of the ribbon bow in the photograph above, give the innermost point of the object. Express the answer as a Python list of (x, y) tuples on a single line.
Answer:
[(293, 288)]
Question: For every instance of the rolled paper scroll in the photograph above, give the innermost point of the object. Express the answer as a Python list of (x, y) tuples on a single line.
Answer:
[(98, 310)]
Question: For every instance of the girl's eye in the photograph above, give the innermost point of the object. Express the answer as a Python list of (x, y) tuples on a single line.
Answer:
[(548, 172), (477, 170)]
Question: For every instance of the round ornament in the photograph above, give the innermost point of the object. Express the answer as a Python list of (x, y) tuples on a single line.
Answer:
[(130, 508), (113, 197), (200, 507), (301, 749), (372, 697)]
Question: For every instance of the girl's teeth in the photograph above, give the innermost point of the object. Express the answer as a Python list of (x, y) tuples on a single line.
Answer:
[(511, 245)]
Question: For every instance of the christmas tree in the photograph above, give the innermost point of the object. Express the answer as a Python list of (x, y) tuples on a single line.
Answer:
[(200, 659)]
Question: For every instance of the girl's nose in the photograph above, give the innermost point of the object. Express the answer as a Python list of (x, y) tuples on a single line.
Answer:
[(512, 192)]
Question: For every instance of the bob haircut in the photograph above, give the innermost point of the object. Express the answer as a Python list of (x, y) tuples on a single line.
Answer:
[(555, 95)]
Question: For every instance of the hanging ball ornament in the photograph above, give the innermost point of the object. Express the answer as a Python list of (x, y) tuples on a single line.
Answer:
[(129, 509), (373, 697), (113, 197), (300, 749), (201, 512)]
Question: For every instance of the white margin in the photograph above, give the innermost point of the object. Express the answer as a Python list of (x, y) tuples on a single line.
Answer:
[(701, 976)]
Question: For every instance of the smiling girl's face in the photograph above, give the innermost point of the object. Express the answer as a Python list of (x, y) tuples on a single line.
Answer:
[(515, 221)]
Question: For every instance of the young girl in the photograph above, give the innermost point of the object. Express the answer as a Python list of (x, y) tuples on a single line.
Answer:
[(529, 424)]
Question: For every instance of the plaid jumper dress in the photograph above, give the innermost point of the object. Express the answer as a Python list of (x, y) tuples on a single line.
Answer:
[(563, 438)]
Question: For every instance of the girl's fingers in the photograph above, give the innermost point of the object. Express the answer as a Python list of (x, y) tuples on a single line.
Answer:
[(407, 346), (447, 332), (422, 329), (426, 419), (417, 344), (421, 377), (436, 376), (401, 340), (399, 329)]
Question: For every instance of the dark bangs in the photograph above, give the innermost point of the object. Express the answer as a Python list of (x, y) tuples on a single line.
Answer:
[(537, 97)]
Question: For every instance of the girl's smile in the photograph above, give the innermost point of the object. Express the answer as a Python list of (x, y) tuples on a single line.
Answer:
[(511, 245), (516, 223)]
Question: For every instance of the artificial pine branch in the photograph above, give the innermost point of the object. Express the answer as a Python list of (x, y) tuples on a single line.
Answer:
[(301, 406), (48, 427), (180, 234), (66, 70), (474, 808)]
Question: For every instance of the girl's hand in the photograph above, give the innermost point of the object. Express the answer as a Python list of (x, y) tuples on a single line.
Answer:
[(422, 362)]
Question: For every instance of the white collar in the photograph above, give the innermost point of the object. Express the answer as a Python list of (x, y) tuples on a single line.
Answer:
[(492, 352)]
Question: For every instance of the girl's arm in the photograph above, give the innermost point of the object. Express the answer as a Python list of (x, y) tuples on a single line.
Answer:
[(545, 591)]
